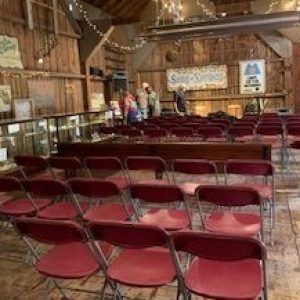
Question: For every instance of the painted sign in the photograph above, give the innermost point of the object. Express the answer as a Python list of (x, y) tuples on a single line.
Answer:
[(198, 78), (10, 56), (5, 98), (253, 76)]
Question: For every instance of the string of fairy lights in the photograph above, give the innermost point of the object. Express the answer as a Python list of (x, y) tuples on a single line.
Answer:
[(208, 12), (86, 18)]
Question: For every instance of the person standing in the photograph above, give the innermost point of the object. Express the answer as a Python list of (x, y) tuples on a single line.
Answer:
[(130, 108), (153, 102), (142, 100), (179, 101)]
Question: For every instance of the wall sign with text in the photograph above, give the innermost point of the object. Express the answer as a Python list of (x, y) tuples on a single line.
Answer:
[(253, 76), (198, 78), (10, 56)]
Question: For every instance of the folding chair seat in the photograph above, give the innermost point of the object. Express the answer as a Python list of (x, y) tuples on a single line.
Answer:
[(144, 261), (169, 126), (221, 267), (162, 216), (292, 133), (69, 166), (183, 132), (119, 128), (153, 164), (58, 193), (229, 222), (106, 164), (72, 256), (21, 205), (29, 165), (100, 190), (256, 174), (203, 172)]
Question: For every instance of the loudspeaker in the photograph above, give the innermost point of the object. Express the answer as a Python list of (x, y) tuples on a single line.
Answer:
[(119, 81), (96, 72)]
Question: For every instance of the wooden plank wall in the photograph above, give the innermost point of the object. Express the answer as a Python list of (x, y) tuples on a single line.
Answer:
[(64, 63), (229, 51)]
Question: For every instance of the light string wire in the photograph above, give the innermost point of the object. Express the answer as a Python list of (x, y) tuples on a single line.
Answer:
[(101, 34)]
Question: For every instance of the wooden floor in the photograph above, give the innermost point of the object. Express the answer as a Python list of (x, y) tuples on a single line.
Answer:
[(19, 280)]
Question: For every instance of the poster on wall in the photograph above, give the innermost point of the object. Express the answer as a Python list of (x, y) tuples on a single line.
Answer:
[(23, 108), (253, 76), (5, 98), (10, 56), (43, 94), (198, 78), (97, 101)]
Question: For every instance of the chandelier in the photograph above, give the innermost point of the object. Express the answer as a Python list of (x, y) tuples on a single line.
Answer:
[(168, 11)]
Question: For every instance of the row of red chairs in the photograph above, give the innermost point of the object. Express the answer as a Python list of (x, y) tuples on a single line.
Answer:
[(199, 170), (149, 258)]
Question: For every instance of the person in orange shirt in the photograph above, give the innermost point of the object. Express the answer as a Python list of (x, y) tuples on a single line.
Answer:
[(130, 107)]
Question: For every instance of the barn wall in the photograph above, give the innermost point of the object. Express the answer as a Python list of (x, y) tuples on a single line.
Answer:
[(229, 51), (63, 64)]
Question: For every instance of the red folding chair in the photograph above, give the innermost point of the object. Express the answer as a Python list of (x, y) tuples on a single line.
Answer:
[(58, 193), (230, 222), (20, 204), (256, 174), (271, 134), (144, 261), (105, 198), (29, 165), (241, 133), (142, 169), (69, 165), (72, 257), (168, 126), (161, 215), (221, 267), (201, 172), (107, 165)]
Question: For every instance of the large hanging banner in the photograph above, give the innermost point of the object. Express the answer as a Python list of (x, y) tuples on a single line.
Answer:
[(198, 78), (253, 76), (10, 56)]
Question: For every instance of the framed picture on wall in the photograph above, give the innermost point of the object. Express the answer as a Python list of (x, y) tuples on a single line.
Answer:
[(23, 108)]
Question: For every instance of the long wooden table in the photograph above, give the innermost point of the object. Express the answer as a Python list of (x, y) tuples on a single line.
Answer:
[(168, 151)]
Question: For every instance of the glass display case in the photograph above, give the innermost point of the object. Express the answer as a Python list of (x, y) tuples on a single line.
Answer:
[(22, 136), (39, 136)]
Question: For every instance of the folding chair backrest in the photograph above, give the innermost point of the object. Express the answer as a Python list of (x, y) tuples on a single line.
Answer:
[(182, 131), (107, 130), (293, 130), (27, 162), (65, 163), (193, 166), (130, 132), (103, 163), (155, 132), (128, 235), (50, 231), (210, 131), (156, 193), (269, 130), (216, 247), (153, 163), (168, 126), (93, 188), (228, 196), (45, 187), (239, 131), (10, 184), (222, 126), (249, 167)]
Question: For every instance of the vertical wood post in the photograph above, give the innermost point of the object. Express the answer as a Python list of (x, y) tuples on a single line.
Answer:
[(296, 76), (29, 14)]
